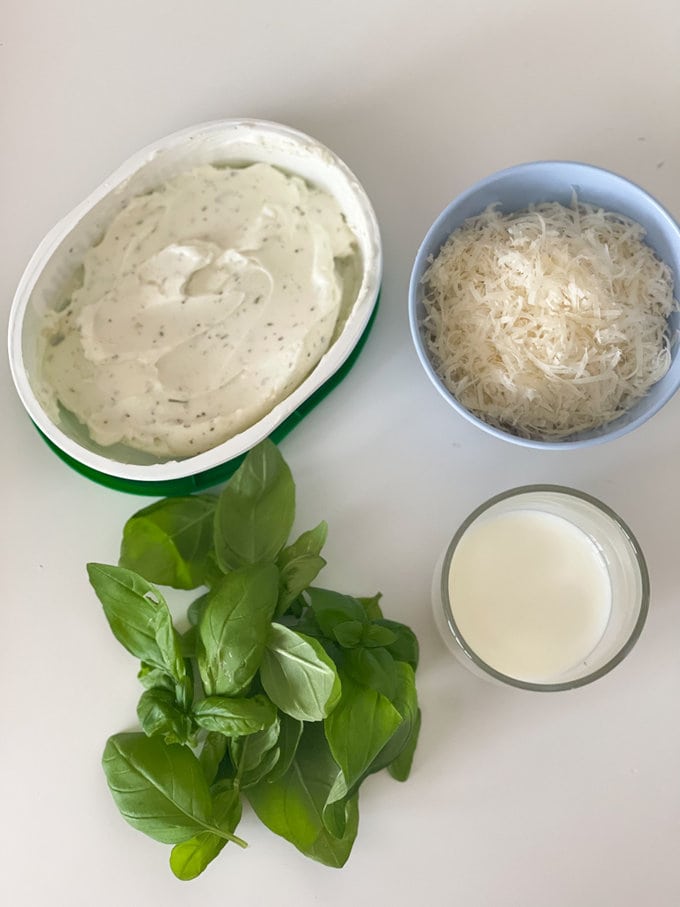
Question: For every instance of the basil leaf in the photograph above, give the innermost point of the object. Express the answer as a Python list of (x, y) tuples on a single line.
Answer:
[(151, 677), (332, 608), (400, 768), (289, 737), (139, 617), (349, 633), (405, 647), (188, 643), (375, 635), (159, 789), (262, 769), (357, 732), (335, 811), (255, 511), (333, 850), (298, 676), (170, 542), (373, 668), (300, 564), (226, 804), (212, 753), (292, 806), (234, 627), (156, 678), (196, 609), (309, 542), (190, 858), (358, 728), (256, 755), (234, 717), (405, 700), (296, 577), (159, 715), (372, 606)]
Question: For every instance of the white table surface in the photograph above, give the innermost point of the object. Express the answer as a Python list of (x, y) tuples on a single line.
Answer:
[(516, 799)]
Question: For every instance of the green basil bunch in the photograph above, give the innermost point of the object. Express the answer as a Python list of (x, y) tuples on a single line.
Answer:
[(279, 692)]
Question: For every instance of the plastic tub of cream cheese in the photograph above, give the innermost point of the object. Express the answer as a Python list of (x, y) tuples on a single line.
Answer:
[(207, 295)]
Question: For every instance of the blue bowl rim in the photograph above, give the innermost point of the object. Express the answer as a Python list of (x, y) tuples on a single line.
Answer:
[(425, 249)]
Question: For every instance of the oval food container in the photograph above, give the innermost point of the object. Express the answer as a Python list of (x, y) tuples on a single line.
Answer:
[(60, 254)]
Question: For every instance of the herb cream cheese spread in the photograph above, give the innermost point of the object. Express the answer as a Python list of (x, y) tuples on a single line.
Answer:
[(206, 303)]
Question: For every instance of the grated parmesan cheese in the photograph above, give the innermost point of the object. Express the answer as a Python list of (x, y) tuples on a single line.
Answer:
[(549, 321)]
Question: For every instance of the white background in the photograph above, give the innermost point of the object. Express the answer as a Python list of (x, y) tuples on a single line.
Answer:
[(516, 799)]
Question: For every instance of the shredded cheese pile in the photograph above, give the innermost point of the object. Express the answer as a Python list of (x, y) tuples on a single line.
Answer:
[(550, 321)]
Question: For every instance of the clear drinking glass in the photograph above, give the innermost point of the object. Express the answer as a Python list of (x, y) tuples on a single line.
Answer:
[(625, 567)]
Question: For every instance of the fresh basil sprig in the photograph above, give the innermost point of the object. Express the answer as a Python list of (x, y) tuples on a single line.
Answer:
[(279, 692)]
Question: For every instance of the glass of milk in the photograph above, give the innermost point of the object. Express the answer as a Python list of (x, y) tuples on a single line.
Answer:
[(542, 587)]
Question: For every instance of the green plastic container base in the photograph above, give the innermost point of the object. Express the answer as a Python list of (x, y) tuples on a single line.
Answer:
[(218, 474)]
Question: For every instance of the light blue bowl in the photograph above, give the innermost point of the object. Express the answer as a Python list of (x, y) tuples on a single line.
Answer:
[(543, 181)]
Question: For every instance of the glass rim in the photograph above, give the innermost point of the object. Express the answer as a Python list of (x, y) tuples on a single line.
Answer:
[(486, 668)]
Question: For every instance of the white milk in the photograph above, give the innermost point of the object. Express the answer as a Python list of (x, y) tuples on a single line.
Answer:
[(530, 593)]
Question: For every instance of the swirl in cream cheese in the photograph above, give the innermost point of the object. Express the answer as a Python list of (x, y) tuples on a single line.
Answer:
[(205, 304)]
